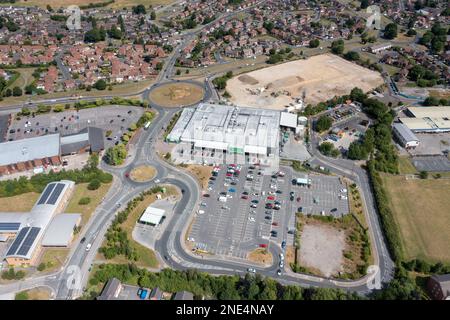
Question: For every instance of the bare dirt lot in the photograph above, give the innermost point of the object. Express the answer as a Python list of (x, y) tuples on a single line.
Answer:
[(322, 248), (320, 77)]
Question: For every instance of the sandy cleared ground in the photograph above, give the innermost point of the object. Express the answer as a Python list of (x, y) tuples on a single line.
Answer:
[(177, 95), (321, 77), (322, 248)]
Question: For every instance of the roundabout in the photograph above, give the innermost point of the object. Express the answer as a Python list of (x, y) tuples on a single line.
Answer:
[(176, 94), (142, 173)]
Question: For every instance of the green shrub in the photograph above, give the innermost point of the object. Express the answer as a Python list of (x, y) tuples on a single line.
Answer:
[(21, 296), (84, 200), (94, 184)]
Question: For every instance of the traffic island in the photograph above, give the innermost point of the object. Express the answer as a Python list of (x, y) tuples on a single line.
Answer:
[(143, 173), (178, 94)]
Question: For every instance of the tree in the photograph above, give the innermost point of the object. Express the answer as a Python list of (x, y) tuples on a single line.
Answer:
[(411, 32), (364, 4), (41, 266), (352, 56), (23, 295), (337, 47), (328, 149), (314, 43), (356, 151), (115, 155), (423, 175), (100, 84), (357, 95), (390, 31), (95, 35), (94, 184), (323, 123), (139, 9), (153, 15), (17, 91), (431, 101), (115, 33)]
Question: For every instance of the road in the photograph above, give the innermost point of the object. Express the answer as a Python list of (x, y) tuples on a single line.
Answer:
[(170, 247)]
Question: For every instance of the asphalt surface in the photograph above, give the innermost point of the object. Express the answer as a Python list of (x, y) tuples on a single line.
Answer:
[(170, 246)]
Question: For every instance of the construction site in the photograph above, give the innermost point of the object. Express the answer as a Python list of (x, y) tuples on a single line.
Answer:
[(288, 85)]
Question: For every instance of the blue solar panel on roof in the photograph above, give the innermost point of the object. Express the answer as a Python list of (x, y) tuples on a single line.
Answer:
[(16, 243), (55, 194), (46, 193), (28, 242), (9, 226)]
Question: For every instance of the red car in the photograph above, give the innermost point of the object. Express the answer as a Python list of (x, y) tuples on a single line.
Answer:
[(127, 174), (244, 197), (270, 198), (263, 245), (298, 199), (275, 224), (229, 174), (206, 195)]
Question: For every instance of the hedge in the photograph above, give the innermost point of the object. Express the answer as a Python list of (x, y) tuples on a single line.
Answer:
[(390, 227)]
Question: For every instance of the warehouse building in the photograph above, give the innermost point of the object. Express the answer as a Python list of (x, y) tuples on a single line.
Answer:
[(246, 133), (89, 139), (26, 154), (29, 229), (44, 151), (427, 119), (61, 229), (405, 136)]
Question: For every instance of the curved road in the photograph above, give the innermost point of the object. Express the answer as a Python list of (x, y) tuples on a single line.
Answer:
[(68, 282)]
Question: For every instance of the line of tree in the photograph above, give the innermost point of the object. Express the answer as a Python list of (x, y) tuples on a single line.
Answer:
[(221, 82), (436, 38), (38, 182), (117, 239), (201, 284)]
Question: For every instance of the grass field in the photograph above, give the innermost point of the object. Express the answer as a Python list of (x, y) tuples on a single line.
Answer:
[(420, 208), (53, 258), (176, 95), (142, 173), (405, 166), (81, 191), (20, 203), (25, 78), (116, 4), (147, 257), (38, 293), (202, 173), (260, 255)]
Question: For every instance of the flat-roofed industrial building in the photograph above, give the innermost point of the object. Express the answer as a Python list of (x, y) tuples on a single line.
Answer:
[(46, 150), (29, 228), (26, 154), (427, 119), (246, 132)]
